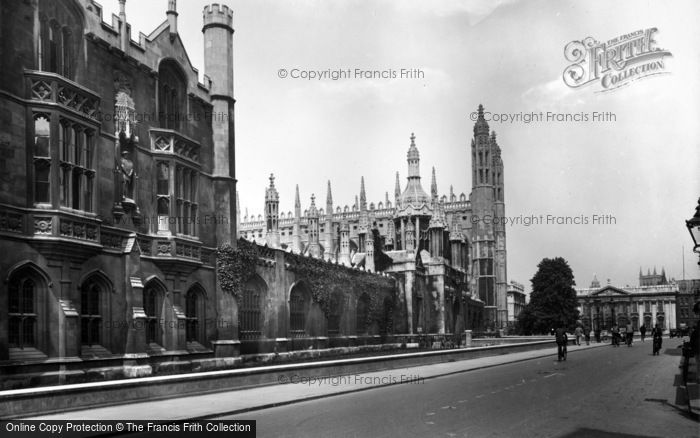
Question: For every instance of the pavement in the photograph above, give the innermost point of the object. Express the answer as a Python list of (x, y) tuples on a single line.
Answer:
[(294, 389)]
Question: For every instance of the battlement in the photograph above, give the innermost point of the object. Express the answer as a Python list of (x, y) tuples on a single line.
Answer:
[(218, 15)]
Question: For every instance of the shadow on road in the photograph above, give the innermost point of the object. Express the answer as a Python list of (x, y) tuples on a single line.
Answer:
[(585, 432)]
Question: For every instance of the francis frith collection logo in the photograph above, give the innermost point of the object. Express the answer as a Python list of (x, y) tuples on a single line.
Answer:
[(616, 62)]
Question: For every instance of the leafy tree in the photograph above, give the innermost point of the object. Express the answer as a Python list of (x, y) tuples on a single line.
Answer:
[(553, 298)]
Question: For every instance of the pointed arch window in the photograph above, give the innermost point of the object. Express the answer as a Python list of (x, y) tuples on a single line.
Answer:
[(90, 313), (195, 315), (53, 47), (250, 311), (22, 313), (152, 301), (172, 91), (297, 313), (163, 195), (42, 158)]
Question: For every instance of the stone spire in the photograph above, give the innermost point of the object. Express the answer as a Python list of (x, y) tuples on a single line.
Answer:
[(344, 253), (329, 196), (328, 232), (413, 158), (296, 226), (397, 190), (433, 187), (272, 235), (297, 203), (314, 247), (481, 126), (414, 193), (313, 211), (363, 195)]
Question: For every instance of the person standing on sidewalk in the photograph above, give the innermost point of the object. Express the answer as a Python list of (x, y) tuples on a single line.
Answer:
[(587, 335), (630, 333), (615, 336), (656, 338), (643, 331), (578, 332)]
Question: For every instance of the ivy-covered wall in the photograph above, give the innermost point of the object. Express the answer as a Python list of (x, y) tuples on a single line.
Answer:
[(283, 272)]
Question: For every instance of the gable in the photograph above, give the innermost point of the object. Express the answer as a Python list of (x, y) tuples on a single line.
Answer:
[(610, 291)]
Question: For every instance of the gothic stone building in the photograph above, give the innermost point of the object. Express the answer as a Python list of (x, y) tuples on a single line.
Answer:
[(117, 185), (447, 255)]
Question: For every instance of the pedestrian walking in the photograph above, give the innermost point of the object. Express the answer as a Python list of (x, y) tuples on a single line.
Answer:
[(615, 336), (630, 334), (643, 331), (578, 332), (656, 338), (587, 334), (561, 338)]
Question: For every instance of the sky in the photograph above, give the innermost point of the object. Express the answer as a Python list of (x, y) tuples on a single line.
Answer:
[(639, 167)]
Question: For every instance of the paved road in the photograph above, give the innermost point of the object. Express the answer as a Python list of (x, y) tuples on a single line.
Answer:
[(601, 392)]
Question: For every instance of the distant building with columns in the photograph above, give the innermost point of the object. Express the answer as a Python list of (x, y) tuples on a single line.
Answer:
[(516, 300), (652, 302)]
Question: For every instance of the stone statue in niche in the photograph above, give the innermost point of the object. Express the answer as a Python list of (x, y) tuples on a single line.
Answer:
[(127, 174), (125, 130)]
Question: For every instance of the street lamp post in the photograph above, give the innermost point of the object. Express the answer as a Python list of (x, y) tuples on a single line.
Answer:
[(693, 225)]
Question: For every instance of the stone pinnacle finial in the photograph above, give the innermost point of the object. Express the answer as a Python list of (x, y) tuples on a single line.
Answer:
[(297, 203), (413, 139), (272, 180), (363, 195)]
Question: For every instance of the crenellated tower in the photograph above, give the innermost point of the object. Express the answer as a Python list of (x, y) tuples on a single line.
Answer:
[(218, 67)]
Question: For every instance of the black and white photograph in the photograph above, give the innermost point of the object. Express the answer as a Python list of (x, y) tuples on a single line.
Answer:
[(349, 218)]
